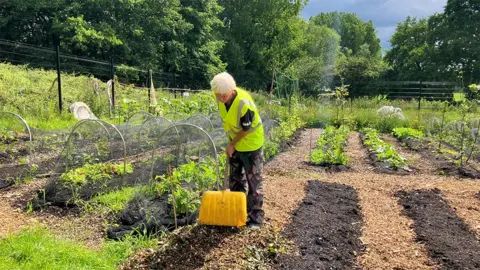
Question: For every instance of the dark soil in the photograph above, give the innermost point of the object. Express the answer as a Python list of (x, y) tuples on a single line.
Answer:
[(327, 167), (443, 162), (147, 216), (447, 238), (5, 183), (187, 249), (326, 229)]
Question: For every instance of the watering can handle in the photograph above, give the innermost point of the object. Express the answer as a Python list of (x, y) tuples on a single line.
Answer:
[(225, 177)]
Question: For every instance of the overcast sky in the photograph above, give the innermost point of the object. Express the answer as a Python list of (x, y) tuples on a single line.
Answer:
[(385, 14)]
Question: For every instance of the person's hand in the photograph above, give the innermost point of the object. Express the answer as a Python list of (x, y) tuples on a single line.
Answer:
[(230, 149)]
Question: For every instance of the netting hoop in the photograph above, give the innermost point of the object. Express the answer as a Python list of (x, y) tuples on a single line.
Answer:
[(198, 115), (30, 137), (104, 125), (175, 127), (146, 115)]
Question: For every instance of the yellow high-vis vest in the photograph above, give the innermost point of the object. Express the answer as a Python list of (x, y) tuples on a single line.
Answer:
[(231, 121)]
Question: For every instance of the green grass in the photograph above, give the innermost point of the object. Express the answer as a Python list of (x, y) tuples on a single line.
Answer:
[(36, 248), (116, 201)]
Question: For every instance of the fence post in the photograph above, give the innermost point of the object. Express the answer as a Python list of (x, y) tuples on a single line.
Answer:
[(59, 78), (149, 83), (112, 69), (419, 95)]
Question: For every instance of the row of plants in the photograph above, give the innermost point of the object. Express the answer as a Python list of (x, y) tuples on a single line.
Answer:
[(331, 147), (407, 133), (385, 152), (290, 121), (94, 173)]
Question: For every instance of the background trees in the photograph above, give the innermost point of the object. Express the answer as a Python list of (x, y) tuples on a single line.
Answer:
[(251, 39)]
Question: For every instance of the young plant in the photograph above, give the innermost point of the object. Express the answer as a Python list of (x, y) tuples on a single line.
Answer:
[(407, 133), (331, 147), (384, 151)]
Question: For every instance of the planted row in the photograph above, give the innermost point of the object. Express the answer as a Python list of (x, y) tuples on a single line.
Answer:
[(331, 147), (384, 152), (273, 144)]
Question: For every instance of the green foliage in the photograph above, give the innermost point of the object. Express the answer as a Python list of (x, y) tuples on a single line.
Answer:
[(270, 149), (331, 147), (174, 36), (354, 32), (407, 133), (189, 181), (473, 91), (260, 36), (95, 173), (384, 151), (441, 47), (203, 103), (117, 200), (409, 55), (36, 248)]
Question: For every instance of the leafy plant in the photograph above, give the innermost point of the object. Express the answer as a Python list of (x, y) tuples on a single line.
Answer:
[(331, 147), (384, 151), (94, 172), (189, 181), (407, 133)]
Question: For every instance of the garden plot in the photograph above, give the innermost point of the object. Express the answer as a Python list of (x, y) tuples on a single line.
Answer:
[(383, 155), (438, 157), (26, 153), (326, 229), (449, 241), (330, 149), (156, 189)]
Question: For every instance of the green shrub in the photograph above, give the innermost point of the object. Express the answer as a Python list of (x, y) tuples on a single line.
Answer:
[(407, 133)]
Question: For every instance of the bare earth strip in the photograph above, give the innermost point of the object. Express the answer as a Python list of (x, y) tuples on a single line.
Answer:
[(284, 188)]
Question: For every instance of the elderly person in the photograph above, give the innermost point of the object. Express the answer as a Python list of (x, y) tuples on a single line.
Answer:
[(243, 125)]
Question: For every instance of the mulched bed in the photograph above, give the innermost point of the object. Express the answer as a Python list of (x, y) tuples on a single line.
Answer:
[(444, 163), (449, 241), (326, 229)]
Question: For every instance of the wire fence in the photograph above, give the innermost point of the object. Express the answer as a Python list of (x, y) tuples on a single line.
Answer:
[(52, 58)]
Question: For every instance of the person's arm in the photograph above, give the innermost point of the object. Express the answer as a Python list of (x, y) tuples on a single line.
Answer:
[(231, 145)]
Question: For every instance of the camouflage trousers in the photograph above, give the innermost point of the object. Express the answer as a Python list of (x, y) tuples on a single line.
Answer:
[(246, 176)]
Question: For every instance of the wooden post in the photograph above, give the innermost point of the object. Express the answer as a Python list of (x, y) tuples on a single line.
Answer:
[(112, 69), (59, 78), (419, 95), (148, 87)]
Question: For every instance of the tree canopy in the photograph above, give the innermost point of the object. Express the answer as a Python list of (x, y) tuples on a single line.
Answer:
[(251, 40)]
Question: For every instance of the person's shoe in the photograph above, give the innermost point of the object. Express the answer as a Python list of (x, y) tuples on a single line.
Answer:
[(253, 226)]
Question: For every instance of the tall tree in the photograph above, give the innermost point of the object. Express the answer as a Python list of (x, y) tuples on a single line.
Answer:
[(459, 40), (409, 55), (316, 65), (352, 30), (259, 36)]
